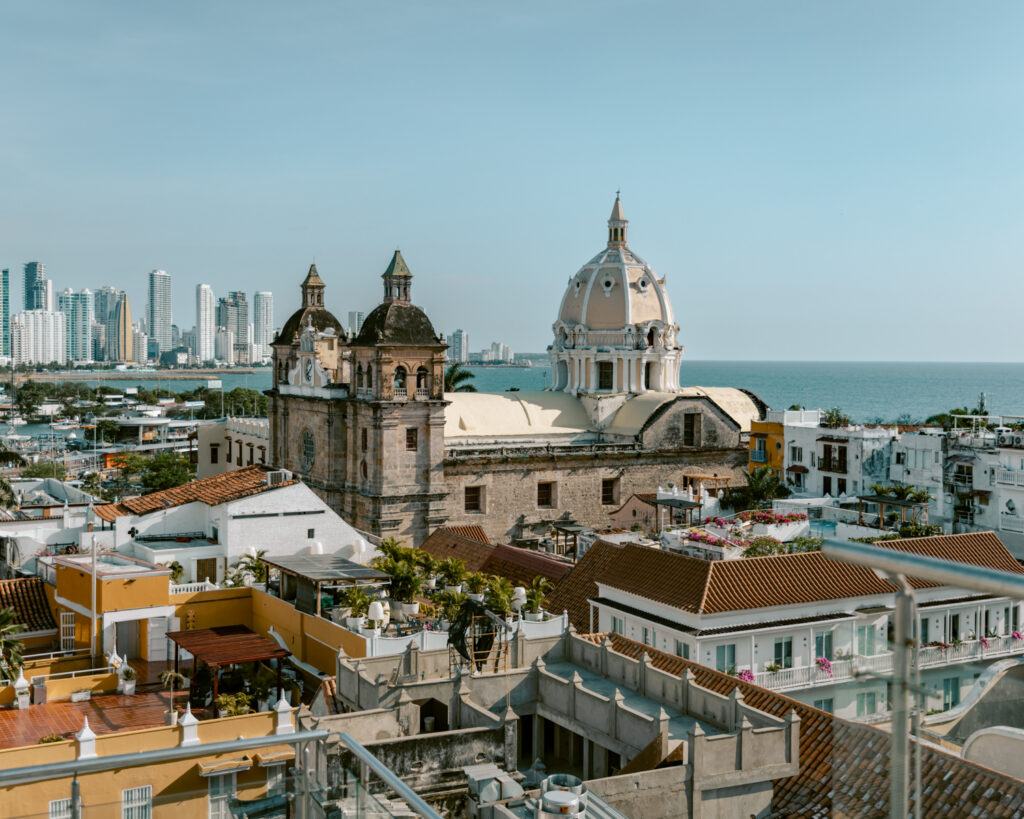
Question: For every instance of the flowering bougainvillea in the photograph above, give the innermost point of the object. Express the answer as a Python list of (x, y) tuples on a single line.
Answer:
[(746, 675), (769, 517), (1017, 635), (824, 665)]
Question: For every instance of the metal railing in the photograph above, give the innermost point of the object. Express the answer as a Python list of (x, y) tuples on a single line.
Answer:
[(834, 465), (68, 675), (759, 456), (1011, 477), (1011, 523)]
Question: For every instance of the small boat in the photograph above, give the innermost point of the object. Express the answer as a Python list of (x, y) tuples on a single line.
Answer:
[(69, 424), (16, 421)]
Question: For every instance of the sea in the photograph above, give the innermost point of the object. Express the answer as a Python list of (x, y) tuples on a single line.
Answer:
[(869, 392)]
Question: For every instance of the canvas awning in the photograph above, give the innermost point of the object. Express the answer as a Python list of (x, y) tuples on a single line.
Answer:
[(797, 468)]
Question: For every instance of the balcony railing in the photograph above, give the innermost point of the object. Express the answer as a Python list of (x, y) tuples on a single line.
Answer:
[(422, 394), (832, 465), (1010, 477), (927, 657), (401, 394), (759, 456), (1011, 523)]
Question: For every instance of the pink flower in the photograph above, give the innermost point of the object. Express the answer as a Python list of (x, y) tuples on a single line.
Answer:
[(746, 675), (824, 665), (1017, 635)]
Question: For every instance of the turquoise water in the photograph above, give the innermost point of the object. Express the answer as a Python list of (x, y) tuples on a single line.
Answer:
[(866, 391)]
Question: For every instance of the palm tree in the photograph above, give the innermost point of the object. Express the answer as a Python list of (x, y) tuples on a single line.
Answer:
[(170, 680), (254, 566), (10, 646), (8, 499), (457, 377), (763, 486)]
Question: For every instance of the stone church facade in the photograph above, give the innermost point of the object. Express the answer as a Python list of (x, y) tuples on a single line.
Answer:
[(366, 422)]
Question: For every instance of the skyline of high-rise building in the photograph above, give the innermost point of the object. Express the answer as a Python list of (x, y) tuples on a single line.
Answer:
[(104, 303), (5, 312), (459, 349), (159, 309), (233, 315), (38, 337), (37, 294), (123, 347), (78, 306), (206, 322), (355, 321), (263, 323)]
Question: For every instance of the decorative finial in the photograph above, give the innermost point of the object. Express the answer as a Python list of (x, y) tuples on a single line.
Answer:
[(617, 192)]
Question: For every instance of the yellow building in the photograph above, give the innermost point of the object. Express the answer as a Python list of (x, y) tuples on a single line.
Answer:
[(767, 446)]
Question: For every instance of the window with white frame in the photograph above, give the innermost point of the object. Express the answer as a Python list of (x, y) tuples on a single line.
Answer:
[(222, 788), (866, 640), (824, 705), (67, 630), (682, 650), (618, 626), (137, 803), (823, 644), (866, 704), (725, 657), (60, 809), (950, 693), (796, 454), (650, 637), (784, 652)]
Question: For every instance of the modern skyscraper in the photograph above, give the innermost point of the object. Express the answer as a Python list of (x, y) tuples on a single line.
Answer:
[(206, 323), (140, 346), (263, 323), (225, 346), (38, 337), (355, 321), (459, 350), (233, 315), (35, 287), (77, 305), (123, 346), (159, 324), (5, 312), (104, 304)]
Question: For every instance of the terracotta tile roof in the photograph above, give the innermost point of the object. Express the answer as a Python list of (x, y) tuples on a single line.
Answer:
[(844, 765), (703, 587), (578, 586), (518, 565), (229, 486), (27, 596), (522, 565), (445, 543), (473, 532)]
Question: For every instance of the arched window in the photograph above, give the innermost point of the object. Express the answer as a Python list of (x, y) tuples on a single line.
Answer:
[(399, 378), (359, 377), (650, 337), (422, 379), (369, 376)]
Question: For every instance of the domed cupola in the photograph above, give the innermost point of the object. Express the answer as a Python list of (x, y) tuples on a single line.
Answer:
[(615, 332)]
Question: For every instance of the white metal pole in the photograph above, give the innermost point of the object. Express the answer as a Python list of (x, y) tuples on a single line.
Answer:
[(92, 632)]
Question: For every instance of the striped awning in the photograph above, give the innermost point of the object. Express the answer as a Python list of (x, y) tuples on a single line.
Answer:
[(224, 766)]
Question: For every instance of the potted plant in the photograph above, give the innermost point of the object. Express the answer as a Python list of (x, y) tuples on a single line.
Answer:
[(430, 566), (475, 586), (453, 571), (81, 695), (358, 601), (171, 680), (539, 589), (128, 676), (773, 668), (499, 596), (449, 603), (48, 738), (233, 705), (405, 586)]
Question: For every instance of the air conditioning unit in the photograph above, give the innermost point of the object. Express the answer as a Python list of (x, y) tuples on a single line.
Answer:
[(1005, 439), (278, 477), (1018, 440)]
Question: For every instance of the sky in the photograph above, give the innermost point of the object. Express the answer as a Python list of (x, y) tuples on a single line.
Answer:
[(816, 180)]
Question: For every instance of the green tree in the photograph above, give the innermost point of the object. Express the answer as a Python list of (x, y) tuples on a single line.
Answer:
[(30, 396), (165, 471), (457, 378), (835, 418), (253, 566), (8, 500), (763, 486), (44, 469), (10, 646)]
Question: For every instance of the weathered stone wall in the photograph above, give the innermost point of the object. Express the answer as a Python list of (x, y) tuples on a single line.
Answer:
[(660, 794), (510, 485), (713, 429)]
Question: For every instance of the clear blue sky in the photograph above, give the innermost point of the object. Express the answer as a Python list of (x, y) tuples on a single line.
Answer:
[(817, 180)]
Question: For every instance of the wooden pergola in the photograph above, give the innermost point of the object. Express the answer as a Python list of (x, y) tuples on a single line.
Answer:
[(698, 480), (884, 500), (675, 506), (226, 645), (566, 531), (303, 577)]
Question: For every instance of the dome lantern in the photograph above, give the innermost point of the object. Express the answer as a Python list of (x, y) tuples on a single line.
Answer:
[(617, 224)]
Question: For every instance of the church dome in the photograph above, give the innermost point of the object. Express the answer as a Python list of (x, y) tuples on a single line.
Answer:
[(397, 323), (616, 288)]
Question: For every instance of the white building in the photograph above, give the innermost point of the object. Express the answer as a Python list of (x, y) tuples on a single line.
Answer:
[(79, 308), (615, 333), (160, 309), (223, 446), (224, 346), (263, 324), (206, 322), (799, 623), (459, 349), (355, 321), (39, 337), (207, 525), (140, 346)]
